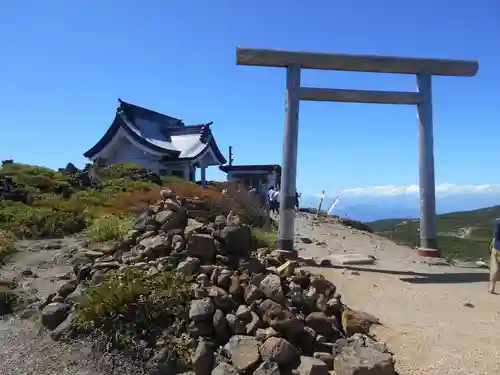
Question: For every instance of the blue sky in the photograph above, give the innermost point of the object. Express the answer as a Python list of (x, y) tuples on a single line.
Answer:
[(65, 63)]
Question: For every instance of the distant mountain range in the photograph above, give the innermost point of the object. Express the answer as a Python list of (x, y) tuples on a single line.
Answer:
[(461, 235), (371, 208)]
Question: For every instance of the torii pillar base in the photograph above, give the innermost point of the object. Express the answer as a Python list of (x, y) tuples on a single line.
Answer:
[(429, 248), (288, 254)]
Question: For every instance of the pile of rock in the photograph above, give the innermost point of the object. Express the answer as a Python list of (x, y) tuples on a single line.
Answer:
[(250, 311)]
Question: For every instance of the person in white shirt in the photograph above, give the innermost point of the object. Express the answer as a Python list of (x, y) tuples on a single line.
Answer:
[(276, 199), (270, 200)]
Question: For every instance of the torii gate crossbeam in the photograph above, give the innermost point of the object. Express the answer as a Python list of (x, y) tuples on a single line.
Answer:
[(424, 69)]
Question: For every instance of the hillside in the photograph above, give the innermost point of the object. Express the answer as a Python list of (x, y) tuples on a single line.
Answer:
[(461, 235)]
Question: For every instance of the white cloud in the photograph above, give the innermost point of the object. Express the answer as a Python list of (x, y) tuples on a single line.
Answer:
[(409, 190)]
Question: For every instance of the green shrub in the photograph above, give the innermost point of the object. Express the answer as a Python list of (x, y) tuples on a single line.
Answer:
[(109, 228), (264, 238), (40, 179), (36, 222), (130, 302), (6, 245)]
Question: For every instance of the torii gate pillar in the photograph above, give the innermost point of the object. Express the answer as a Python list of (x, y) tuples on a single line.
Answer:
[(286, 232), (422, 68)]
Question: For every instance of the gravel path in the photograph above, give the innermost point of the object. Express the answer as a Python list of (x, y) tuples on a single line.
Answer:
[(40, 267), (426, 321)]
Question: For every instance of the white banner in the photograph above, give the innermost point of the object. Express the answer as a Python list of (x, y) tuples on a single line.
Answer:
[(333, 205)]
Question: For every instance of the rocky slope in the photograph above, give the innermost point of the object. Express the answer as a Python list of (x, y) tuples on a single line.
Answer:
[(183, 295)]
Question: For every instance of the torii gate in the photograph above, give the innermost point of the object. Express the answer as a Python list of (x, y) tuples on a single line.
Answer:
[(424, 69)]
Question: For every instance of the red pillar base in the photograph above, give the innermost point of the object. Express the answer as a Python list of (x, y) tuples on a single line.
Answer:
[(427, 252)]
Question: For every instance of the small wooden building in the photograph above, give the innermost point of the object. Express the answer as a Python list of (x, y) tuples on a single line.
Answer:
[(258, 177), (158, 142)]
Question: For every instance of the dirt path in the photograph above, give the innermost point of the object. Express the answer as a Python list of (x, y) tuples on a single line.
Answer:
[(39, 268), (425, 320)]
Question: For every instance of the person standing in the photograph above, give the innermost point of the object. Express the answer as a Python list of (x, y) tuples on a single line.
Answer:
[(297, 196), (270, 199), (495, 256), (276, 200)]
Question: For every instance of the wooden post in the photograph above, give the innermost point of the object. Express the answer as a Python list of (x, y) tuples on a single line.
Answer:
[(428, 241), (289, 173)]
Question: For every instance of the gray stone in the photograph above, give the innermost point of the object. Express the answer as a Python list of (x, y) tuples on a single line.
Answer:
[(63, 330), (323, 325), (351, 259), (235, 324), (221, 326), (323, 286), (252, 293), (278, 350), (263, 334), (188, 266), (92, 254), (244, 313), (54, 314), (224, 368), (224, 277), (203, 359), (243, 351), (237, 239), (201, 246), (271, 287), (325, 357), (157, 246), (67, 288), (201, 310), (267, 368), (363, 361), (312, 366), (76, 295), (163, 216), (254, 324)]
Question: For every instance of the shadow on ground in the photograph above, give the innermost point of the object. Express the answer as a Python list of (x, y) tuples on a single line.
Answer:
[(426, 278)]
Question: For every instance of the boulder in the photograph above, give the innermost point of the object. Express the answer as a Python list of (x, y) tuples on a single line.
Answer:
[(224, 368), (243, 352), (54, 314), (278, 350), (363, 360), (203, 359), (201, 310)]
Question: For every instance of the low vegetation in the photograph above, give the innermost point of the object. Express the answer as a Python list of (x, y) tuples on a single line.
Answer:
[(461, 235), (109, 228), (102, 200), (264, 238), (132, 305)]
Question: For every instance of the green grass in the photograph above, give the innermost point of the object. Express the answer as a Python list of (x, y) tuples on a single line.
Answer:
[(36, 222), (264, 238), (109, 228), (61, 207), (461, 235), (130, 305)]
